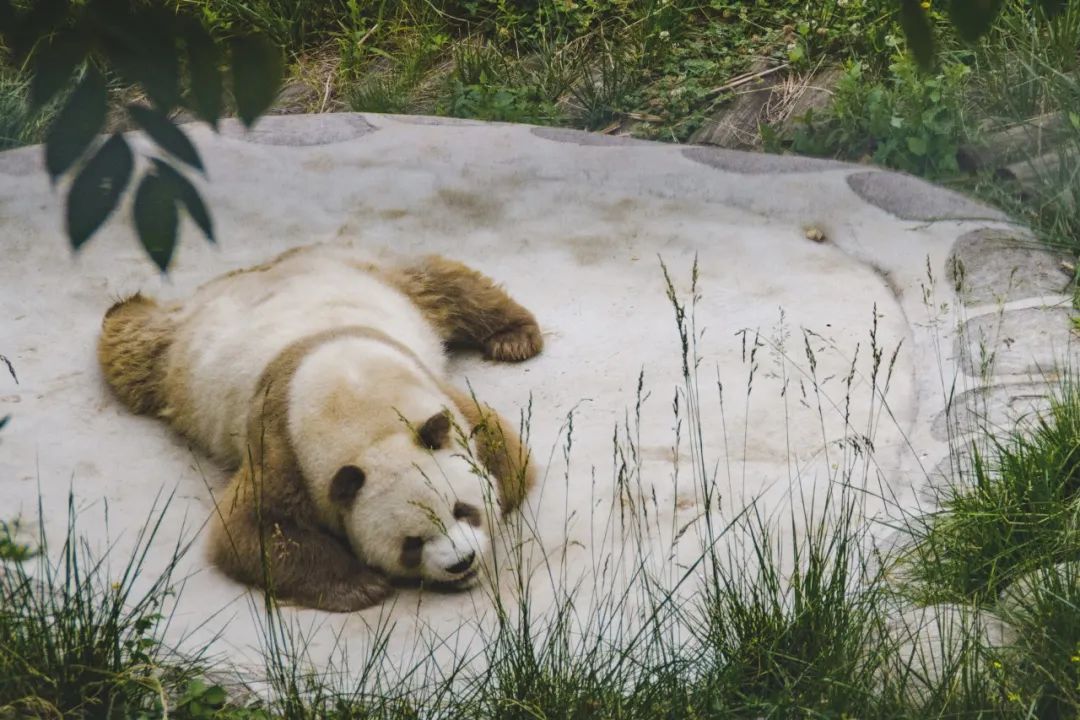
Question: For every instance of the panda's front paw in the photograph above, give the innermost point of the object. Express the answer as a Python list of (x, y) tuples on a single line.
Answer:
[(360, 593), (515, 344)]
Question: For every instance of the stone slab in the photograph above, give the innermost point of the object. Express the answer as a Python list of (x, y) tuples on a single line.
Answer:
[(998, 266)]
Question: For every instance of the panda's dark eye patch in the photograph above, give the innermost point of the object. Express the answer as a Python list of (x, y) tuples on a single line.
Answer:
[(411, 550), (346, 483), (435, 432), (468, 513)]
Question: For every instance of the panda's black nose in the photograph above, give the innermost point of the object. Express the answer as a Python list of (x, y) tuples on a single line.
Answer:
[(465, 564)]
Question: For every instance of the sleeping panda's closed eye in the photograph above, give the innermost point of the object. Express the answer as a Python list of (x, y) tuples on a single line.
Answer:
[(412, 549), (346, 484), (468, 513)]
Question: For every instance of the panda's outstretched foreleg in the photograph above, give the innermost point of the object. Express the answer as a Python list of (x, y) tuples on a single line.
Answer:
[(300, 563), (469, 309), (501, 450)]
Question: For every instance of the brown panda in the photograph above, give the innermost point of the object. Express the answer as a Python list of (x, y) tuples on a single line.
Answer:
[(319, 377)]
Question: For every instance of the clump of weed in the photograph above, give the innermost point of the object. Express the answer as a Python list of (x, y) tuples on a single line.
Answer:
[(12, 549), (74, 642), (907, 121), (18, 125), (1010, 510)]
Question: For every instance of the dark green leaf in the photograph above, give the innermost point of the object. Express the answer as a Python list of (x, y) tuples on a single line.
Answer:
[(972, 18), (97, 188), (8, 24), (257, 67), (188, 195), (81, 118), (53, 65), (917, 145), (920, 36), (155, 219), (43, 17), (4, 421), (214, 696), (204, 70), (158, 126), (141, 47)]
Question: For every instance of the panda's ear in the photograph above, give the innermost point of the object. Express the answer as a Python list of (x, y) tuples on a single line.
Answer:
[(435, 432), (346, 483)]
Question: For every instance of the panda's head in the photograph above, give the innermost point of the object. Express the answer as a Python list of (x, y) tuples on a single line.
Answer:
[(414, 505)]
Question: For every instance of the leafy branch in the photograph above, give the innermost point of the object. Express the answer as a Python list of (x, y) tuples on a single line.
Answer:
[(971, 18), (175, 62)]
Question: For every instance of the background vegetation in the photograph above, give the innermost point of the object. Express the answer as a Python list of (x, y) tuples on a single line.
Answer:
[(993, 111)]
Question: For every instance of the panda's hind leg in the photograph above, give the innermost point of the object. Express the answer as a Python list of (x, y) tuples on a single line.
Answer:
[(135, 337), (469, 309)]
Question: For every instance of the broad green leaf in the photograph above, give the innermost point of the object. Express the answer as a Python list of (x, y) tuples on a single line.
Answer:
[(158, 126), (920, 36), (54, 64), (214, 696), (204, 71), (81, 118), (257, 68), (917, 145), (972, 18), (40, 20), (97, 188), (155, 219), (188, 195), (7, 21), (141, 47)]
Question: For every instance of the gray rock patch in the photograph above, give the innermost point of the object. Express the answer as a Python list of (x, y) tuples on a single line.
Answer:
[(1032, 340), (20, 162), (990, 266), (291, 130), (579, 137), (910, 198), (995, 406), (751, 163), (434, 120)]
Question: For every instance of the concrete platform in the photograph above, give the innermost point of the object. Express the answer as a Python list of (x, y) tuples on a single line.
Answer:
[(838, 307)]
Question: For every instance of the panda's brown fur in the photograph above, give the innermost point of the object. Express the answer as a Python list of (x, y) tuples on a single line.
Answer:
[(265, 531)]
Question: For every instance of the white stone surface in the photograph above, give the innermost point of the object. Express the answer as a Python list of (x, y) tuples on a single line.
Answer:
[(576, 226)]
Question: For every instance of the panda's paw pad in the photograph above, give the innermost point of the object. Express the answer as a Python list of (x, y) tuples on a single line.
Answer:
[(515, 344)]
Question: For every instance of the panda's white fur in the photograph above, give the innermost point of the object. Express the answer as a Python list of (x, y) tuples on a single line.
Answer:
[(329, 368), (358, 388), (232, 327)]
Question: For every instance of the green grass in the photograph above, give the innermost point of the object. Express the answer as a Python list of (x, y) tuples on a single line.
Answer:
[(76, 638), (1013, 509), (18, 126)]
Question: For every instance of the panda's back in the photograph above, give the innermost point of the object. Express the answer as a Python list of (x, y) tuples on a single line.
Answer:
[(233, 327)]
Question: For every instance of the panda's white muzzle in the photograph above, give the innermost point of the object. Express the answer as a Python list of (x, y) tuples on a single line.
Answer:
[(456, 556)]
